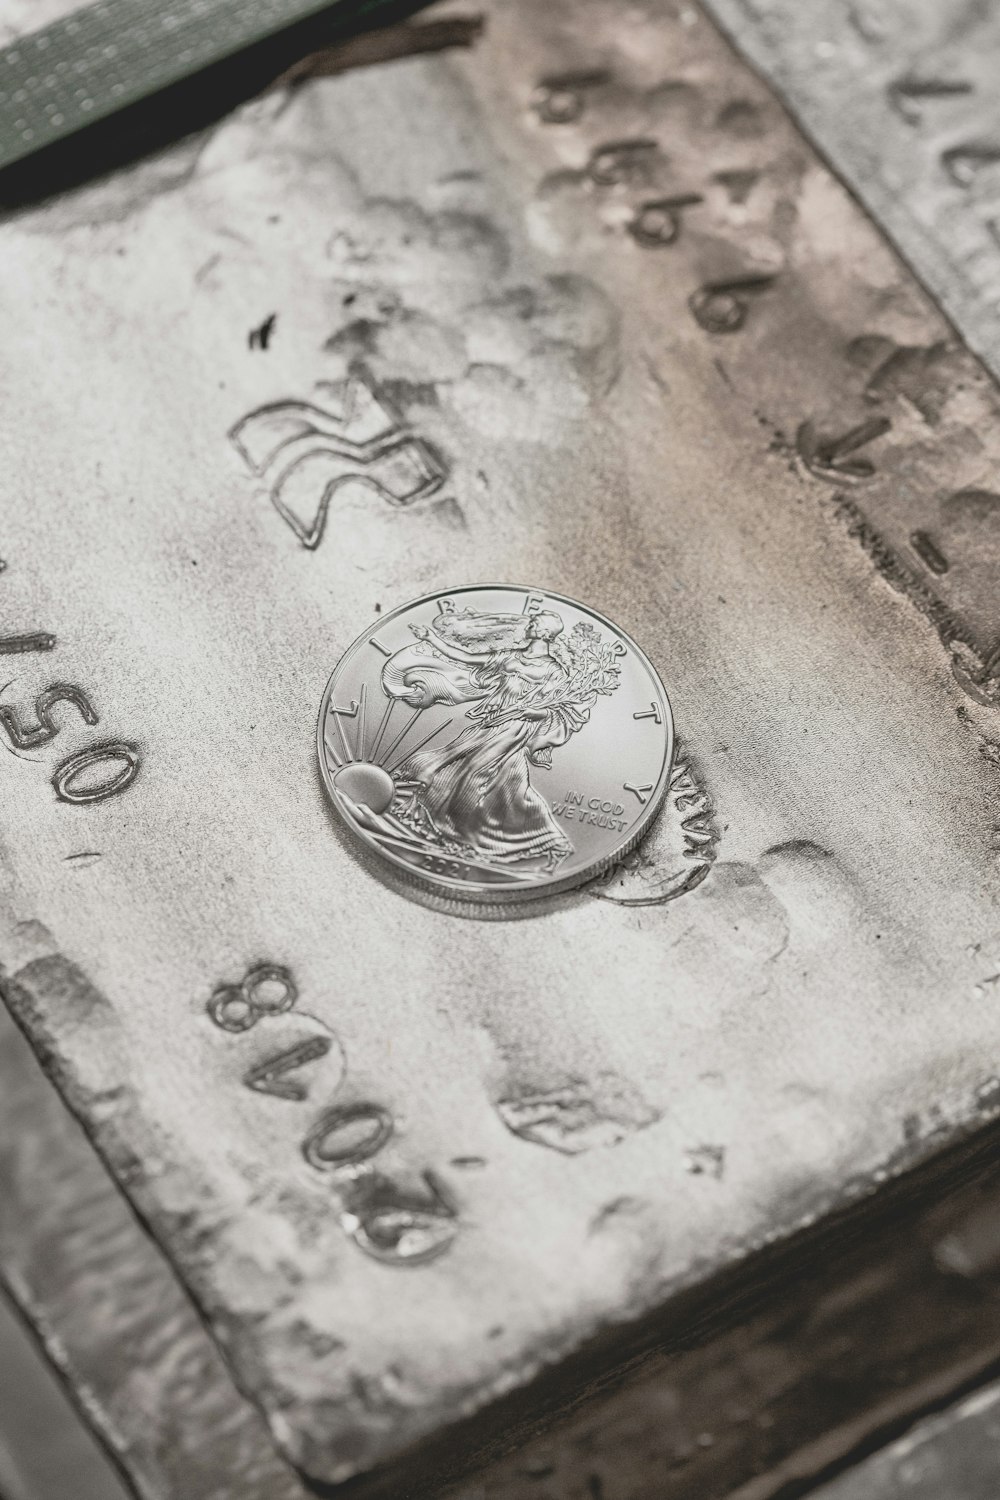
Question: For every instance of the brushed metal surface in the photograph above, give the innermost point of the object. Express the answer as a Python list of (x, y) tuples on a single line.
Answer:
[(618, 380)]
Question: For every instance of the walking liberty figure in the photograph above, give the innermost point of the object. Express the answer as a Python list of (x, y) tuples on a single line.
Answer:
[(530, 686)]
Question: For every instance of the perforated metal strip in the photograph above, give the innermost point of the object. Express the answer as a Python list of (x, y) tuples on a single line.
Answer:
[(114, 53)]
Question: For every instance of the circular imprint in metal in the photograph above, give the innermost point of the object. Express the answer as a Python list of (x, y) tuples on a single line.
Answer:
[(496, 744)]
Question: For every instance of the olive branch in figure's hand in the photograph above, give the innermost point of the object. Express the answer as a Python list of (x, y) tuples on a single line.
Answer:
[(594, 671)]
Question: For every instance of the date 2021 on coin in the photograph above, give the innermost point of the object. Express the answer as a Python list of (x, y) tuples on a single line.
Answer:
[(496, 744)]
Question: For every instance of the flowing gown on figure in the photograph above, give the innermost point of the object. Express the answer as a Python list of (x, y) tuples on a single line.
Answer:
[(477, 788)]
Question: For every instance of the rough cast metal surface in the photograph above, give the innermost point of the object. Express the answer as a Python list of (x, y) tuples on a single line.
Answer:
[(610, 306), (878, 1327), (901, 97), (863, 1333)]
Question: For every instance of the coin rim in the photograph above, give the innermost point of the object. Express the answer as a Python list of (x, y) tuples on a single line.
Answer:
[(482, 894)]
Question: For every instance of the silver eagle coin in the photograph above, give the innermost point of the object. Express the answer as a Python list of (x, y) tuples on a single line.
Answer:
[(495, 744)]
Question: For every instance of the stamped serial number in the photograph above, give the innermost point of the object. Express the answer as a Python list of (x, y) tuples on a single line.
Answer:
[(394, 1223), (101, 769)]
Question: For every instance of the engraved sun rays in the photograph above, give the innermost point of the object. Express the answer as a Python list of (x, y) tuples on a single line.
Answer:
[(363, 775), (355, 749)]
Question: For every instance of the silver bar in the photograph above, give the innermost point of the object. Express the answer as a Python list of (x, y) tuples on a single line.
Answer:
[(647, 349)]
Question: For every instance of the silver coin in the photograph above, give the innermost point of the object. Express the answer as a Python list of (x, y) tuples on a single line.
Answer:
[(496, 744)]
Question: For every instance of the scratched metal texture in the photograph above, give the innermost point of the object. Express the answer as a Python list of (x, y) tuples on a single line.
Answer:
[(874, 1329), (901, 99), (619, 1101), (900, 95)]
